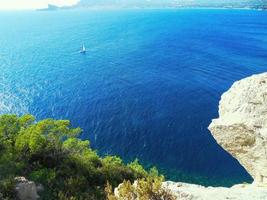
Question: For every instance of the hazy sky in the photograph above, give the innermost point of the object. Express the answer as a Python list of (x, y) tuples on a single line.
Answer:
[(32, 4)]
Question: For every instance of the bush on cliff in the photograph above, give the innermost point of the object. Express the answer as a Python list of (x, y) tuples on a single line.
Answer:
[(148, 188), (49, 152)]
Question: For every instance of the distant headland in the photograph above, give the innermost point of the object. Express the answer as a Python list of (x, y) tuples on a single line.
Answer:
[(50, 8), (239, 4)]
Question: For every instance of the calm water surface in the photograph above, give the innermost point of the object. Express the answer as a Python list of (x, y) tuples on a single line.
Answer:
[(148, 87)]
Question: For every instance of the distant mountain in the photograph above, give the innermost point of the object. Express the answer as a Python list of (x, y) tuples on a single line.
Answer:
[(259, 4), (49, 8), (125, 3)]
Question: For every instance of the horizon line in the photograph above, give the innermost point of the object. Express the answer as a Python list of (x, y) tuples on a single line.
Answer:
[(65, 8)]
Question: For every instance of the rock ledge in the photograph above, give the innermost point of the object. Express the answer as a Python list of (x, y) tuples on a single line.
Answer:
[(184, 191), (241, 128)]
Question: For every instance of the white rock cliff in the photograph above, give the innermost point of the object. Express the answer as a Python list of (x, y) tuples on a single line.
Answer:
[(241, 128), (184, 191)]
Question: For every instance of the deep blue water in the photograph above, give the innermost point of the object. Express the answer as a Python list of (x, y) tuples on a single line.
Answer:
[(148, 87)]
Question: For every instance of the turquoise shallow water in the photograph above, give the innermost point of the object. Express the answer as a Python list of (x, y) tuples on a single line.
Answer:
[(148, 87)]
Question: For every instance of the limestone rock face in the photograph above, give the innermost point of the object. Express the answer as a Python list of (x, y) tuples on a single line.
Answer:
[(184, 191), (241, 128), (26, 190)]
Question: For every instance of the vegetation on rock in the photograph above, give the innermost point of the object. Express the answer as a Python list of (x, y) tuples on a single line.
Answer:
[(149, 188), (49, 152)]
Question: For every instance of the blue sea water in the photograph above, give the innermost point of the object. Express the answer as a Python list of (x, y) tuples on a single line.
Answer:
[(148, 86)]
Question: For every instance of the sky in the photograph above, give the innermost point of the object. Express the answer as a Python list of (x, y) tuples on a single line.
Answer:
[(32, 4)]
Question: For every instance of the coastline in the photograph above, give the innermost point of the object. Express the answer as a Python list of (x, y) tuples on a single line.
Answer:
[(111, 7)]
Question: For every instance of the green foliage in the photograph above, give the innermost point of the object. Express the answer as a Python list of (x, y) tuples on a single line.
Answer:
[(149, 188), (137, 168), (49, 152), (43, 175), (7, 188)]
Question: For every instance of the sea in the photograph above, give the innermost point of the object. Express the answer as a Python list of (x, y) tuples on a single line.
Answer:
[(148, 86)]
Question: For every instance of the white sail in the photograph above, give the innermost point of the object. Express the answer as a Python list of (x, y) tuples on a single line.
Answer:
[(83, 49)]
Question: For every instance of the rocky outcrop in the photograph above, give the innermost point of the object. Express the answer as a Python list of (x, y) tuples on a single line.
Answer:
[(241, 128), (25, 190), (184, 191)]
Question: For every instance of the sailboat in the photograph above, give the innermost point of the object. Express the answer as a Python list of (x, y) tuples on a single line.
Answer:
[(83, 49)]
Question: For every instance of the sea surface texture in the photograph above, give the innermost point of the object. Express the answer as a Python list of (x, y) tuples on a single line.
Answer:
[(148, 86)]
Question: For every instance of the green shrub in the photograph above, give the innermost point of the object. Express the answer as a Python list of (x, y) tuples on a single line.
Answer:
[(149, 188), (49, 152), (7, 188)]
